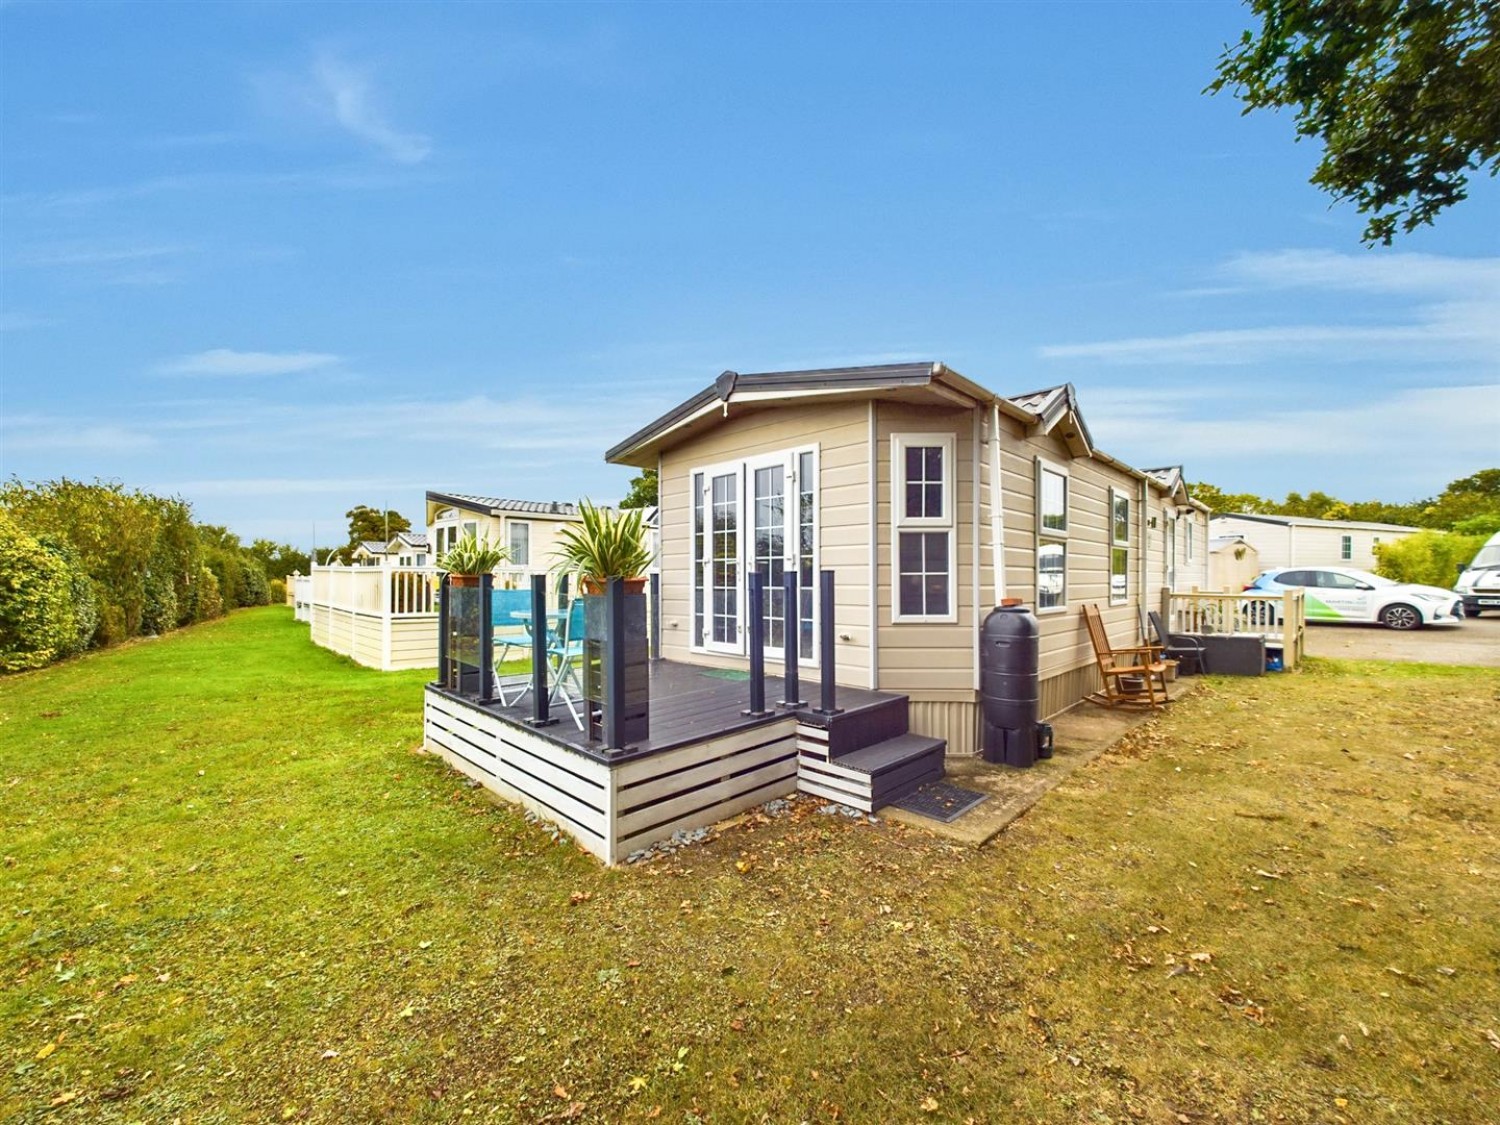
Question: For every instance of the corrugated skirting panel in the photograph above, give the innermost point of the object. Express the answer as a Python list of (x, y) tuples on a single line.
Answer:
[(957, 723), (1065, 689)]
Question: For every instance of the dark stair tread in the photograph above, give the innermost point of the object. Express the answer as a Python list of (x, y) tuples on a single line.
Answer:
[(890, 754)]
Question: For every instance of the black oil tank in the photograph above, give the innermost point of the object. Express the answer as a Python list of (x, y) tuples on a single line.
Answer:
[(1009, 687)]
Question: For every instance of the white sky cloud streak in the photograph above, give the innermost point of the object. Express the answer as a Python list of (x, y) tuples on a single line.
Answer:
[(1454, 314), (227, 363), (347, 93)]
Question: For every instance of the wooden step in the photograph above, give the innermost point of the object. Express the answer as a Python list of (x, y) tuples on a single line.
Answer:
[(832, 736), (875, 775)]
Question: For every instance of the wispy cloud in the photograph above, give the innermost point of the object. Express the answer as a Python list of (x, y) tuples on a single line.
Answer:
[(1372, 428), (346, 92), (1454, 314), (227, 363), (20, 321), (42, 433), (95, 254)]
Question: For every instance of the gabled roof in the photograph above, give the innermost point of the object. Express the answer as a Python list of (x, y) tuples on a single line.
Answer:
[(416, 540), (1058, 405), (496, 505), (1308, 521), (919, 382), (374, 546)]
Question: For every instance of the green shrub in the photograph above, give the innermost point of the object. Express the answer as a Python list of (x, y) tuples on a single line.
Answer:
[(159, 611), (37, 625), (1432, 558), (111, 629), (208, 602), (253, 587), (278, 591)]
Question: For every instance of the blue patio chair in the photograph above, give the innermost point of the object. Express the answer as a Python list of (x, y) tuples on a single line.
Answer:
[(565, 653), (515, 638)]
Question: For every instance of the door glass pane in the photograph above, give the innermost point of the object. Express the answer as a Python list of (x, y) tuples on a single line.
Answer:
[(699, 557), (725, 555), (770, 549), (805, 540)]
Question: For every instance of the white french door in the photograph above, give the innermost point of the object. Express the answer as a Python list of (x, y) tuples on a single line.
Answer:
[(757, 516)]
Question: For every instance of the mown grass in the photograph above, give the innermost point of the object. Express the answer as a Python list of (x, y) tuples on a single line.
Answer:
[(233, 892)]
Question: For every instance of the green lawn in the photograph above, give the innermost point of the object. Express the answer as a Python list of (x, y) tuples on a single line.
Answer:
[(232, 891)]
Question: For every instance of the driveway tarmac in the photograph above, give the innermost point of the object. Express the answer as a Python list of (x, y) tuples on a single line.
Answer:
[(1475, 641)]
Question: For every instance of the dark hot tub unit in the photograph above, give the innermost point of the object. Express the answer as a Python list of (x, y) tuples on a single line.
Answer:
[(1009, 688)]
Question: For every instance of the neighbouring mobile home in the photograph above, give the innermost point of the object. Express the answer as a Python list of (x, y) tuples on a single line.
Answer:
[(889, 476), (1303, 541)]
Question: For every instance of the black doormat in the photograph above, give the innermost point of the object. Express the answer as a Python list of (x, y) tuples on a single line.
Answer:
[(940, 800)]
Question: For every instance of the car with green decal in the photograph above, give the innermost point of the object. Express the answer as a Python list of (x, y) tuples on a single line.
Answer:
[(1342, 594)]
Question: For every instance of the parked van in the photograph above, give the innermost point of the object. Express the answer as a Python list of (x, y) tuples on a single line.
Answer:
[(1479, 582)]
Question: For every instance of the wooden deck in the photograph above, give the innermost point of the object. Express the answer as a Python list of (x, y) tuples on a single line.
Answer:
[(704, 760), (689, 703)]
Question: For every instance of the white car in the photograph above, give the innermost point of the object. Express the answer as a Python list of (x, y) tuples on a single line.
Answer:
[(1340, 593)]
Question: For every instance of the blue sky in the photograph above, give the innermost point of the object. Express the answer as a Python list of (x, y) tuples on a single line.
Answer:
[(285, 259)]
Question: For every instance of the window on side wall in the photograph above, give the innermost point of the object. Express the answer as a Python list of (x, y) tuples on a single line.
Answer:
[(1346, 547), (520, 544), (1191, 523), (1119, 547), (922, 532), (1052, 516)]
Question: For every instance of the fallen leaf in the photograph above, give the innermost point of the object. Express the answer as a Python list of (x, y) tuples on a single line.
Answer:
[(65, 1097), (637, 1084), (330, 1054), (929, 1104), (560, 1091)]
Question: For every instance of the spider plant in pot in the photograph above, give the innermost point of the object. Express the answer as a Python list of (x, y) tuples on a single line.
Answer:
[(469, 558), (605, 545)]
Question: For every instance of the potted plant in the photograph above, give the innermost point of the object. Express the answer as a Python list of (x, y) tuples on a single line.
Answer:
[(605, 545), (469, 558), (601, 546)]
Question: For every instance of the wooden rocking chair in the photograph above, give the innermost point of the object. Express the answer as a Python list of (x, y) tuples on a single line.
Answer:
[(1133, 677)]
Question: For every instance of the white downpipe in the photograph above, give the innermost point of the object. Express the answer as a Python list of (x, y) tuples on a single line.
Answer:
[(997, 507), (874, 476), (1143, 581), (975, 431)]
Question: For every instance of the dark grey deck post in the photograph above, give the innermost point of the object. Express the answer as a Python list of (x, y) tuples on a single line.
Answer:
[(656, 616), (791, 611), (486, 638), (614, 665), (444, 672), (828, 703), (540, 716), (562, 594), (756, 610)]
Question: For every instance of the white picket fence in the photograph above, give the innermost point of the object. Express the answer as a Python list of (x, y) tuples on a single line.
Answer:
[(384, 616)]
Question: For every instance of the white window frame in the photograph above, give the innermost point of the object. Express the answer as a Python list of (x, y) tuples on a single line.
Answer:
[(901, 522), (1052, 535), (743, 470), (1190, 539), (1346, 548), (1116, 544), (510, 531)]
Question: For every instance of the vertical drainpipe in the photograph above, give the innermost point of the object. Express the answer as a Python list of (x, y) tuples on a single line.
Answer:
[(874, 475), (997, 506), (975, 431), (1143, 581)]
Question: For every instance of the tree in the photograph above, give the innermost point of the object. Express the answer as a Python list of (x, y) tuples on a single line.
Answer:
[(1225, 502), (374, 523), (1429, 558), (279, 559), (1404, 94), (1465, 499), (643, 491)]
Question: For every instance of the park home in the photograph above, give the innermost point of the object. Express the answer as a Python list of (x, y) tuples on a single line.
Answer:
[(889, 476), (1303, 541)]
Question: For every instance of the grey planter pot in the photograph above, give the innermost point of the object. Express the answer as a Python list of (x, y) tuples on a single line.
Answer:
[(636, 724)]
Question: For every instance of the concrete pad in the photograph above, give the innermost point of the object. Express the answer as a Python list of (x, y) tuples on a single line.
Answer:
[(1079, 735)]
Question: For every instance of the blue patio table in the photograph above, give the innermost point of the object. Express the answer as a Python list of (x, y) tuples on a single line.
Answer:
[(557, 619)]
